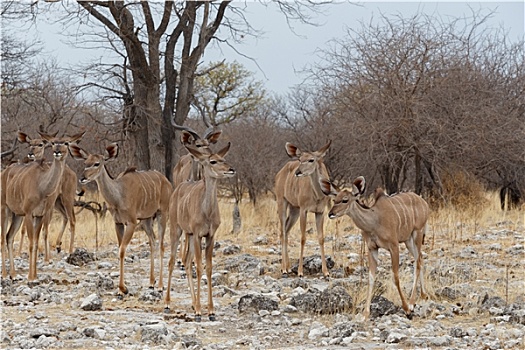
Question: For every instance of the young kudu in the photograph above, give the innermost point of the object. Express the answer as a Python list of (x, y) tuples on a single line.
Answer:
[(400, 218), (298, 192), (132, 196), (30, 194), (65, 203), (194, 209), (188, 168)]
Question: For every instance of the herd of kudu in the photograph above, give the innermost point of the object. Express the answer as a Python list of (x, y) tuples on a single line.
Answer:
[(30, 191)]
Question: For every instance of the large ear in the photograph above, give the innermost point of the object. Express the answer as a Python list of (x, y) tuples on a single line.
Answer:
[(111, 152), (48, 137), (187, 138), (23, 137), (328, 188), (225, 150), (359, 186), (322, 151), (213, 137), (76, 137), (292, 150), (77, 152)]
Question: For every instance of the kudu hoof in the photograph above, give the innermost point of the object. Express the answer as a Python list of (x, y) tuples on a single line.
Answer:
[(59, 250), (32, 284), (198, 318), (212, 317), (167, 310), (284, 275)]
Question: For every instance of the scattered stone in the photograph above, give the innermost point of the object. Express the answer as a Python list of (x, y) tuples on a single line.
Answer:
[(150, 296), (91, 303), (154, 333), (312, 265), (329, 301), (105, 283), (255, 302), (231, 249), (381, 306), (80, 257)]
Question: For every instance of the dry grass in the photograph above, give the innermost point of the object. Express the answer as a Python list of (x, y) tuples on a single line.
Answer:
[(450, 229)]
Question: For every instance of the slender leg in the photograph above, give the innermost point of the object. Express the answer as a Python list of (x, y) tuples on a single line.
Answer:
[(175, 233), (147, 223), (281, 211), (209, 268), (45, 225), (16, 221), (128, 234), (302, 224), (23, 233), (60, 207), (289, 223), (70, 211), (189, 258), (119, 229), (372, 267), (319, 220), (394, 255), (161, 227), (198, 265)]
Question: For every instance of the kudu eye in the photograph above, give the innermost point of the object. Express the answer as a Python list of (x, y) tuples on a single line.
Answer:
[(96, 165), (213, 162), (345, 200), (310, 160)]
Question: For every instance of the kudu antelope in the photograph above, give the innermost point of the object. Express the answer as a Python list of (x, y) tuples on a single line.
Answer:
[(132, 196), (188, 168), (400, 218), (30, 194), (298, 192), (66, 198), (194, 210)]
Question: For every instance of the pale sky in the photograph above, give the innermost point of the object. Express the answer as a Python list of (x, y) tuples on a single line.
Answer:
[(280, 53)]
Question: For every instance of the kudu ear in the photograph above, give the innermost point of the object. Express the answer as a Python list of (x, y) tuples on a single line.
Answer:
[(111, 152), (48, 137), (322, 151), (76, 137), (359, 186), (23, 137), (225, 150), (187, 138), (77, 152), (292, 150), (328, 188), (213, 137)]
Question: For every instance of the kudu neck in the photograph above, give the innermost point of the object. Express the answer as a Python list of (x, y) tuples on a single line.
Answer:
[(109, 187), (364, 218), (50, 180)]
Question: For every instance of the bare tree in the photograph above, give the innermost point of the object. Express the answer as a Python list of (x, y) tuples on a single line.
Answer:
[(415, 97), (163, 44)]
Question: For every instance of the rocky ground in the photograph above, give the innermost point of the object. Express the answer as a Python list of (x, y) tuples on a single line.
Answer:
[(476, 300)]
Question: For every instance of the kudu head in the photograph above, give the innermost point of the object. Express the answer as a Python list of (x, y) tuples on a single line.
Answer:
[(191, 139), (308, 161), (343, 198), (60, 145), (36, 146), (214, 164), (93, 163)]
